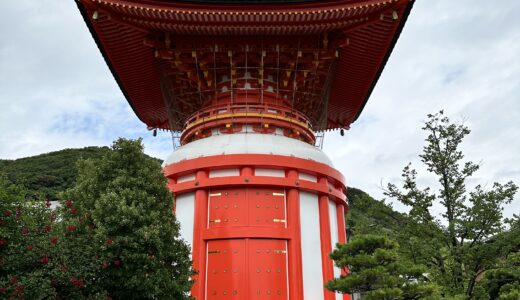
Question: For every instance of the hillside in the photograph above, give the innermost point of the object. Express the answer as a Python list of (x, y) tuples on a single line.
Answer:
[(368, 215), (49, 173)]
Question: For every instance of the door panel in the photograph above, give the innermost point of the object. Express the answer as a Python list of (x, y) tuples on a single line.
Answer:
[(267, 269), (266, 207), (227, 208), (226, 276), (247, 269)]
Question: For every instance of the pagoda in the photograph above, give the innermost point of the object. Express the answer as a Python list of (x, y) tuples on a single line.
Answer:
[(250, 86)]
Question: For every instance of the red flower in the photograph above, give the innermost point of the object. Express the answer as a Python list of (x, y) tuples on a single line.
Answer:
[(20, 287), (13, 280), (117, 262), (71, 228), (3, 242), (47, 228), (2, 290), (54, 240), (77, 282), (68, 203), (29, 248), (44, 260), (7, 213), (110, 242), (25, 231), (73, 211)]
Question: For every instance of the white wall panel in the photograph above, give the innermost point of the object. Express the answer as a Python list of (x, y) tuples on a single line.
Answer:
[(333, 218), (308, 177), (224, 173), (185, 213), (311, 246), (185, 178), (269, 172)]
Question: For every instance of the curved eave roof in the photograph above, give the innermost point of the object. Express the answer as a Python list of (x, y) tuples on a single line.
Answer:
[(371, 38)]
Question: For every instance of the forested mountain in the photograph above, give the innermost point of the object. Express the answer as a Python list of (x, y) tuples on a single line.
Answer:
[(49, 173), (370, 216)]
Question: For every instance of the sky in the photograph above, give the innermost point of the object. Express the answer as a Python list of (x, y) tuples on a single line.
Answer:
[(461, 56)]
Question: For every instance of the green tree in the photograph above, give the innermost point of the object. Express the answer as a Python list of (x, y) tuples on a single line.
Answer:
[(504, 282), (467, 238), (130, 209), (41, 256), (376, 271)]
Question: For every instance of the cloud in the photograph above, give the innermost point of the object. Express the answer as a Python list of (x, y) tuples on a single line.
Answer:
[(461, 56)]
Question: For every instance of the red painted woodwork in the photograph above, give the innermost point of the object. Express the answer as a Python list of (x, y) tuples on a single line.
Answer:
[(199, 247), (183, 187), (227, 208), (247, 269), (326, 248), (231, 119), (170, 57), (294, 244), (226, 269), (182, 168), (257, 207), (342, 236), (267, 269)]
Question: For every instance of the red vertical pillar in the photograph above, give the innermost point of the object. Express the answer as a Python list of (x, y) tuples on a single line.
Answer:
[(342, 235), (171, 183), (326, 248), (199, 245), (246, 172), (294, 244)]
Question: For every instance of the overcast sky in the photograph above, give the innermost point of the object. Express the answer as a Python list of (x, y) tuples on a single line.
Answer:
[(461, 56)]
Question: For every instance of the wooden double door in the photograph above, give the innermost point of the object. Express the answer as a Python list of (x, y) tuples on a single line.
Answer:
[(247, 268)]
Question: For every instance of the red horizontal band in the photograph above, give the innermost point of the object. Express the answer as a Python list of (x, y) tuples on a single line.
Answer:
[(258, 160), (246, 232), (315, 187)]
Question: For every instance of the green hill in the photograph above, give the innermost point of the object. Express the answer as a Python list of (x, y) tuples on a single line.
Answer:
[(49, 173), (368, 215)]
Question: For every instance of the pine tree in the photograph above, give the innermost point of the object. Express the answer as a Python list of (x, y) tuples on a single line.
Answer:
[(377, 272)]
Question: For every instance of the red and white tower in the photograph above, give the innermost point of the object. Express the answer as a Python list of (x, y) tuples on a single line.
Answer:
[(248, 84)]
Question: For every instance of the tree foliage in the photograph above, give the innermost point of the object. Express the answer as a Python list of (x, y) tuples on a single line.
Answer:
[(377, 272), (367, 215), (46, 175), (504, 282), (116, 238), (131, 211), (44, 253), (469, 235)]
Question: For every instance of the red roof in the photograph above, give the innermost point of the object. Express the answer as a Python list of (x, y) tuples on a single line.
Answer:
[(170, 58)]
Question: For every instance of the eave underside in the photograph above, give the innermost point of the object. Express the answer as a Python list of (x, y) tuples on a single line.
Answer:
[(359, 34)]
